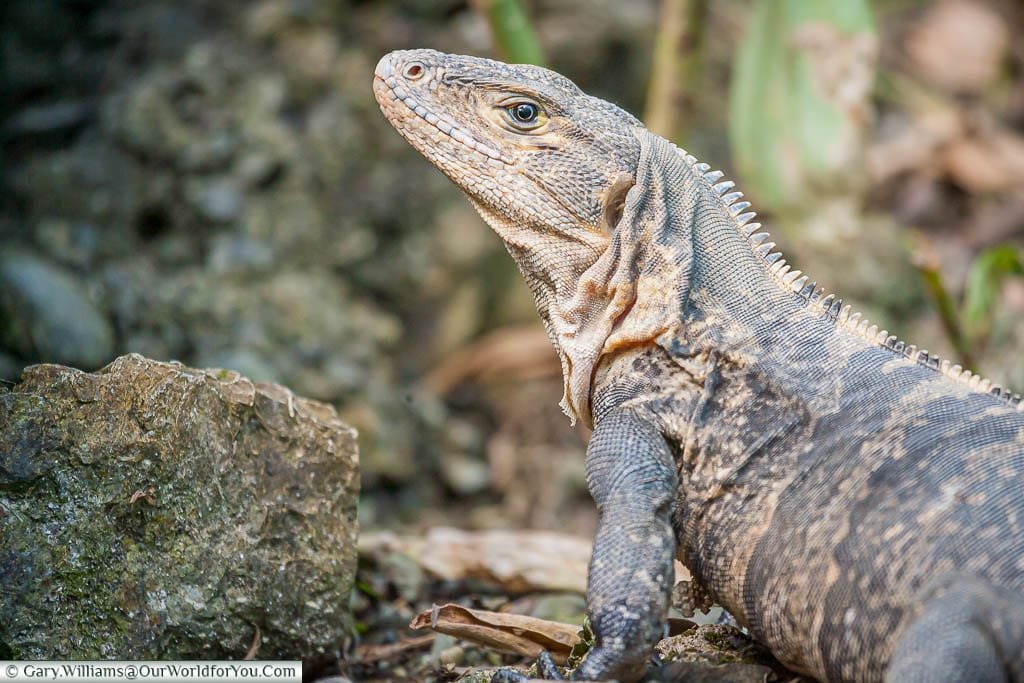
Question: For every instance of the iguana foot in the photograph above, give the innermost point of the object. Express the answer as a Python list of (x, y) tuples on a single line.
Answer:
[(546, 669), (601, 664), (604, 664)]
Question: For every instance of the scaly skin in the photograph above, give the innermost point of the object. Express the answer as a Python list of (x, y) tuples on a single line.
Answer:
[(853, 501)]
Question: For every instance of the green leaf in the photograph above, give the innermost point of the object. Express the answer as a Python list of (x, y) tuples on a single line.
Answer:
[(581, 648), (986, 275), (513, 35), (368, 590), (800, 95)]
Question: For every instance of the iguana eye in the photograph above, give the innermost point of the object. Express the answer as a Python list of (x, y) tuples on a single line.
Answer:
[(525, 115), (525, 112)]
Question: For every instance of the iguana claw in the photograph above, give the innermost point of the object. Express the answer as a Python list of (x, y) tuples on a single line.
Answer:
[(546, 670)]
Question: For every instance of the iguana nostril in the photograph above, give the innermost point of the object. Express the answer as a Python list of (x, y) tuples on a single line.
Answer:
[(414, 71)]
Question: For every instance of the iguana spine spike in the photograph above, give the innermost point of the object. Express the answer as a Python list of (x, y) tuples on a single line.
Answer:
[(735, 209), (836, 308)]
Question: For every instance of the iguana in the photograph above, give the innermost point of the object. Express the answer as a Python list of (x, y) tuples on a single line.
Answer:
[(853, 501)]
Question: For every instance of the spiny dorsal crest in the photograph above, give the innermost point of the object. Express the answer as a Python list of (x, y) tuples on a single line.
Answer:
[(832, 306)]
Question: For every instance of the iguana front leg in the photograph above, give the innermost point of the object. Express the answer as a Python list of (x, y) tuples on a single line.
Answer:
[(632, 478)]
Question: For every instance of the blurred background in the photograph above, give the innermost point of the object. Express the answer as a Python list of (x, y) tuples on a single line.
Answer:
[(211, 181)]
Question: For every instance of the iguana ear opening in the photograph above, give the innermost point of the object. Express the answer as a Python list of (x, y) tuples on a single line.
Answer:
[(615, 201)]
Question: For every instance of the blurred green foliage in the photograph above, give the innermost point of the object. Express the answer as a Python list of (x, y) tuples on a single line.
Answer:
[(988, 271), (513, 34), (790, 127)]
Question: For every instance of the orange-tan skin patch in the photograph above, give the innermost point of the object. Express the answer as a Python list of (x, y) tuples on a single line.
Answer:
[(847, 498)]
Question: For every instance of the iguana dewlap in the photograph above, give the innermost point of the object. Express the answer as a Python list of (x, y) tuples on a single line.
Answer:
[(854, 502)]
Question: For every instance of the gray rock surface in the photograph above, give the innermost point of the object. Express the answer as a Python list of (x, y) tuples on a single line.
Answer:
[(44, 312), (150, 510)]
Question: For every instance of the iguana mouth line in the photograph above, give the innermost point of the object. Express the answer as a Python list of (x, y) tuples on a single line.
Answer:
[(399, 94)]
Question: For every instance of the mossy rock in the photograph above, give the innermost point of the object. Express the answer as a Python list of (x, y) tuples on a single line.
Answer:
[(150, 510)]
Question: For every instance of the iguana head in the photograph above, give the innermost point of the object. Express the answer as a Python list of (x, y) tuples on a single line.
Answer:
[(533, 152), (546, 165)]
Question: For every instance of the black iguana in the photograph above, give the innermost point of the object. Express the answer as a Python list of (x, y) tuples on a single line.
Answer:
[(854, 502)]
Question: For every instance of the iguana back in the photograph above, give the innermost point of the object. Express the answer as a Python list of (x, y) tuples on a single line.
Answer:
[(855, 502)]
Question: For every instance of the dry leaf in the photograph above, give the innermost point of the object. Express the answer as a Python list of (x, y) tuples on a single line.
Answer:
[(517, 561), (931, 124), (959, 46), (368, 654), (991, 162), (512, 352), (512, 633)]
